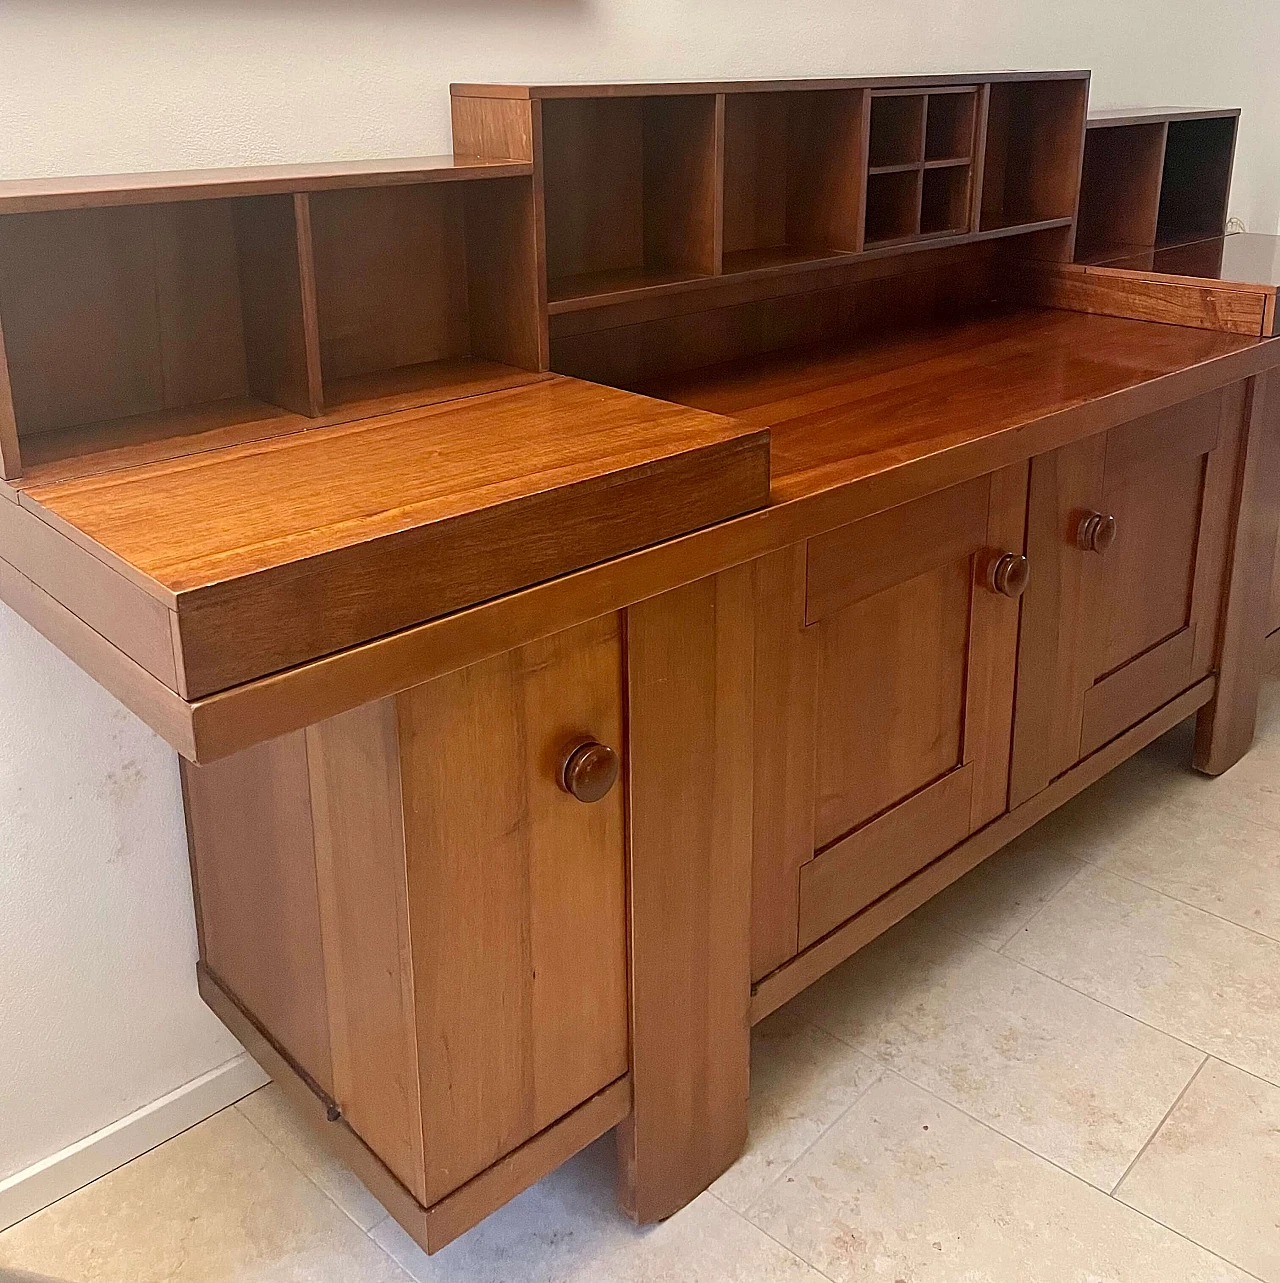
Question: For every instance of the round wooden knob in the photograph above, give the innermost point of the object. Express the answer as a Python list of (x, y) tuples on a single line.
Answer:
[(1010, 574), (1097, 532), (590, 771)]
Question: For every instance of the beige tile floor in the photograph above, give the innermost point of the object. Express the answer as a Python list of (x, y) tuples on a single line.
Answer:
[(1065, 1068)]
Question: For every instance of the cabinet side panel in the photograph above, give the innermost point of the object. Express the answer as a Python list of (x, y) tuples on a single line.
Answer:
[(253, 866), (493, 128), (1225, 728), (354, 763), (689, 664), (516, 897), (786, 678)]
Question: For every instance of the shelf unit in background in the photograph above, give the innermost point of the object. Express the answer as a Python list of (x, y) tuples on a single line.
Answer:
[(237, 305), (654, 190), (1154, 179)]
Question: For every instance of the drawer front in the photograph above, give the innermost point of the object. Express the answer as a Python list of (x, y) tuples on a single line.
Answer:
[(883, 712), (1118, 623), (516, 896)]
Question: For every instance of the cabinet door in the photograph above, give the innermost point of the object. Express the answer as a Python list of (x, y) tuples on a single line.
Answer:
[(516, 896), (1127, 536), (884, 697)]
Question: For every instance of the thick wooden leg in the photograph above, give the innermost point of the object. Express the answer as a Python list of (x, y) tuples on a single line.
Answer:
[(1224, 729), (689, 660)]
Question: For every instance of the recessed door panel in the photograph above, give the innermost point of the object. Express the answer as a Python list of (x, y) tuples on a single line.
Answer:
[(1128, 534), (893, 632), (891, 696)]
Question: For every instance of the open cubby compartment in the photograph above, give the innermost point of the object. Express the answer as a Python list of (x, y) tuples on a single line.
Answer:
[(1196, 179), (140, 322), (893, 206), (1034, 140), (424, 292), (944, 200), (630, 191), (1119, 189), (896, 133), (792, 176), (950, 122)]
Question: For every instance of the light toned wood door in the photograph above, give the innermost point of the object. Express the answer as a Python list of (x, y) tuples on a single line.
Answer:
[(1117, 623), (432, 931), (516, 896), (884, 701)]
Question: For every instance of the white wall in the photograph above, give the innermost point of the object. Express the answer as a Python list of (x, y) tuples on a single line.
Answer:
[(98, 1009)]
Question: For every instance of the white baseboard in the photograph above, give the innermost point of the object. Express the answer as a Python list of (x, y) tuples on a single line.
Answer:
[(52, 1178)]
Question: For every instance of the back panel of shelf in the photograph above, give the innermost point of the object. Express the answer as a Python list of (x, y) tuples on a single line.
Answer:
[(1196, 179)]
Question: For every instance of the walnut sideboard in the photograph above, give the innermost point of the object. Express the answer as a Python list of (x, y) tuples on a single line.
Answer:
[(599, 580)]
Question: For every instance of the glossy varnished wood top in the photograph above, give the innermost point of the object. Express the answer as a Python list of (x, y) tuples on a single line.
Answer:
[(202, 519), (847, 412), (1243, 258)]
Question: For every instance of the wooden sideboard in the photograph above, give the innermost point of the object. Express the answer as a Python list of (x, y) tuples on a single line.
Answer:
[(600, 580)]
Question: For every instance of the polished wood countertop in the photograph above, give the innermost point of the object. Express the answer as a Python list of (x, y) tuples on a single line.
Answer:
[(273, 552), (856, 428), (848, 412)]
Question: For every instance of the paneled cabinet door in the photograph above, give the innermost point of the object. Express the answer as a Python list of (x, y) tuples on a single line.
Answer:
[(885, 656), (1128, 532)]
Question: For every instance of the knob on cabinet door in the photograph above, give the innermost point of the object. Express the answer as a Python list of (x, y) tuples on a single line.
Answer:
[(1096, 532), (1009, 575), (590, 770)]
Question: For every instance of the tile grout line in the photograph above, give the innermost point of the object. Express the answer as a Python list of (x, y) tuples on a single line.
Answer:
[(1125, 877), (759, 1229), (1040, 908), (1216, 1055), (1168, 1113), (1073, 1176), (308, 1177), (881, 1070)]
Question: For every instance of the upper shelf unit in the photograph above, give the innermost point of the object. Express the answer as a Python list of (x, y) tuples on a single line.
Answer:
[(1153, 179), (142, 311), (661, 188)]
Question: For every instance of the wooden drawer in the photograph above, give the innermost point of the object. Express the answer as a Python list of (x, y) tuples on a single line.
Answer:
[(1113, 630), (420, 916), (884, 703)]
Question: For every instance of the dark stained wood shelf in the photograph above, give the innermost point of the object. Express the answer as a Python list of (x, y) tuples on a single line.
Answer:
[(596, 289), (29, 195)]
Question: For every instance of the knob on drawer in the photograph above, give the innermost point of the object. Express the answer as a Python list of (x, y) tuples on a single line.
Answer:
[(1009, 575), (590, 770), (1096, 532)]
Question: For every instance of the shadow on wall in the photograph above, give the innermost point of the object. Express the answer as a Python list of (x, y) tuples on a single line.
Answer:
[(21, 1276)]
